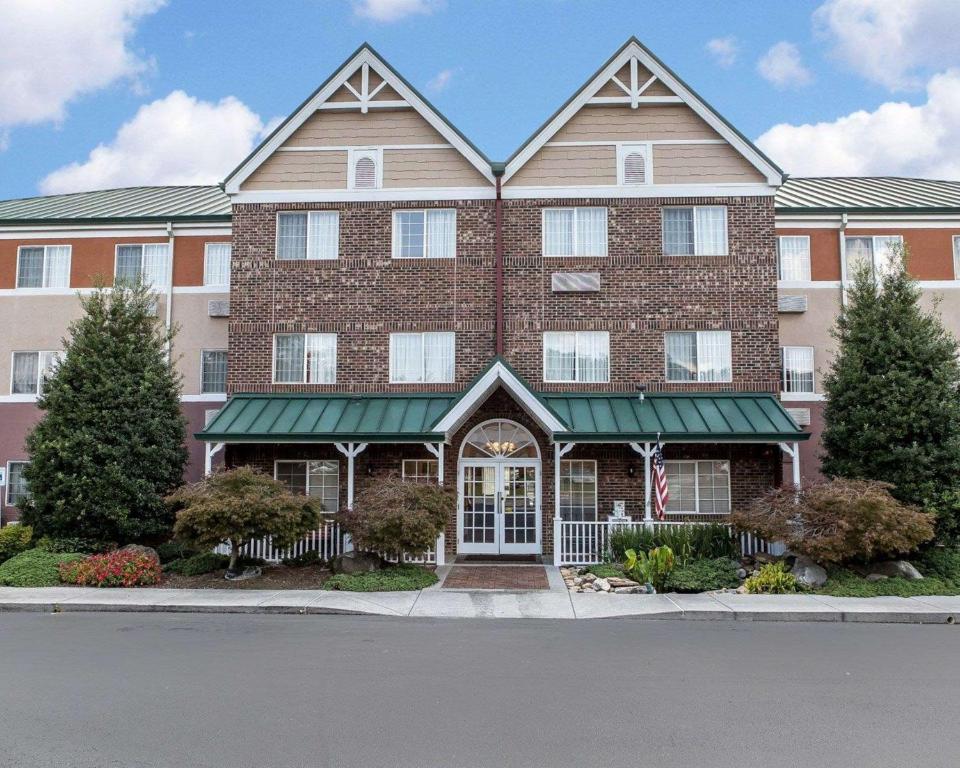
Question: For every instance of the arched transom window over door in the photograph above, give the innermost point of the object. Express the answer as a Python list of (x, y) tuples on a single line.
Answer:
[(500, 439)]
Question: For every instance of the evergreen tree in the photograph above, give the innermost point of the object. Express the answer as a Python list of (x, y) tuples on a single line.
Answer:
[(110, 444), (893, 408)]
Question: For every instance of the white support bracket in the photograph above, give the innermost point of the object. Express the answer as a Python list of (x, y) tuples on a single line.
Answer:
[(351, 451), (211, 450), (793, 451), (646, 450), (437, 450)]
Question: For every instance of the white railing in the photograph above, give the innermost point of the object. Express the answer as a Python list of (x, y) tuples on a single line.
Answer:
[(583, 543)]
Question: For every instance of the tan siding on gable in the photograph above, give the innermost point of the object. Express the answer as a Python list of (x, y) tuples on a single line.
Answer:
[(701, 164), (343, 94), (657, 88), (429, 168), (568, 166), (300, 170), (352, 128), (387, 94), (616, 123)]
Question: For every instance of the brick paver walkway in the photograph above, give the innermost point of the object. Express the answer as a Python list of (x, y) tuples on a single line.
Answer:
[(496, 577)]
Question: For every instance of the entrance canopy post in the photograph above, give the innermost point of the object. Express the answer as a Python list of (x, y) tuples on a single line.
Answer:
[(647, 452), (351, 451), (437, 450), (559, 451)]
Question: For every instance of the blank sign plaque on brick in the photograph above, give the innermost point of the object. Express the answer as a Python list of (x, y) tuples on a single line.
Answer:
[(575, 282)]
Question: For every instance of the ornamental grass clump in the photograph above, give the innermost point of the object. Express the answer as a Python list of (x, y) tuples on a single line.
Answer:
[(121, 568)]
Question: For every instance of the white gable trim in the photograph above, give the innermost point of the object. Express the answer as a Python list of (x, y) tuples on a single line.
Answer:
[(498, 375), (629, 54), (364, 60)]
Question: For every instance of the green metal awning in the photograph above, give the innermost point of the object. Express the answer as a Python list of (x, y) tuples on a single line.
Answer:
[(677, 417), (317, 418)]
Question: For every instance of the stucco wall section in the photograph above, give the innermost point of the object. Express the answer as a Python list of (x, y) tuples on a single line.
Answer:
[(198, 331), (701, 164)]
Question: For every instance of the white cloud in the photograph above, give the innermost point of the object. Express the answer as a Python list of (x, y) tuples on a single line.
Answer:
[(54, 51), (174, 140), (896, 139), (724, 50), (781, 65), (888, 41), (440, 81), (387, 11)]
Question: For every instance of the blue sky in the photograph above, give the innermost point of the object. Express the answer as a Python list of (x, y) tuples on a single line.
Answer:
[(855, 86)]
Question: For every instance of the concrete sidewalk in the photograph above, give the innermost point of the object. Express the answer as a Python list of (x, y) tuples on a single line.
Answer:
[(555, 603)]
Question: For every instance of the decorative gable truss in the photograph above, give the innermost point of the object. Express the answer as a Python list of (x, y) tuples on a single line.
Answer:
[(365, 134), (635, 129)]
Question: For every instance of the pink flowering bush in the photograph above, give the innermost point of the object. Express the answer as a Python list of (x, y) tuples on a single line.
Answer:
[(121, 568)]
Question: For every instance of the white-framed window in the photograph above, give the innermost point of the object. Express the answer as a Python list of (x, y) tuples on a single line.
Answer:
[(578, 490), (574, 231), (698, 356), (365, 168), (317, 479), (793, 252), (576, 356), (310, 235), (428, 234), (30, 370), (149, 263), (420, 471), (695, 230), (216, 264), (213, 371), (305, 358), (956, 257), (17, 489), (876, 252), (633, 164), (43, 266), (422, 357), (698, 487), (797, 364)]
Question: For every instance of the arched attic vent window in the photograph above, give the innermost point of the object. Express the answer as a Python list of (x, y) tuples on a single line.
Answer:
[(365, 168), (633, 164)]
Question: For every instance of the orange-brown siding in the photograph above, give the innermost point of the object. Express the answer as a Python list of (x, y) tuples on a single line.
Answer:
[(931, 250), (824, 251)]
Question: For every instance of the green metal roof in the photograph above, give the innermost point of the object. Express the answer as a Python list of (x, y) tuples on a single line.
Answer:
[(867, 194), (590, 417), (687, 417), (296, 418), (130, 204)]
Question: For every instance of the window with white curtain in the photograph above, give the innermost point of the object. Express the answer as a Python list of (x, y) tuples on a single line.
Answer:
[(305, 358), (956, 257), (632, 164), (17, 490), (578, 490), (31, 370), (317, 479), (699, 230), (216, 264), (576, 356), (149, 263), (422, 357), (43, 266), (420, 471), (213, 371), (430, 234), (876, 253), (698, 487), (793, 253), (797, 369), (574, 231), (310, 235), (698, 356)]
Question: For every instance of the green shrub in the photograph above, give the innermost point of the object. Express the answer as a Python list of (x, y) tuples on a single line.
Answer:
[(772, 579), (14, 539), (842, 582), (651, 567), (687, 542), (310, 557), (69, 544), (943, 563), (174, 550), (196, 565), (35, 568), (605, 570), (703, 575), (120, 568), (397, 578)]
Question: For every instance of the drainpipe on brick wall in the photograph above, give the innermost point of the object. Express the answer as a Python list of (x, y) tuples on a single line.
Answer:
[(169, 283), (498, 262), (843, 259)]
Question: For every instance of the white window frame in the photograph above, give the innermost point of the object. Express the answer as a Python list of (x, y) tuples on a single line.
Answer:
[(423, 356), (206, 263), (576, 359), (694, 208), (204, 352), (873, 252), (697, 380), (573, 240), (805, 269), (43, 286), (644, 148), (565, 463), (358, 153), (168, 275), (696, 486), (336, 360), (58, 356), (956, 257), (395, 233), (405, 475), (9, 486), (783, 370), (307, 243), (306, 484)]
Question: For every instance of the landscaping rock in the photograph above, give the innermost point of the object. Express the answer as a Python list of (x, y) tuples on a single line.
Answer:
[(617, 583), (808, 573), (140, 550), (762, 557), (742, 573), (895, 569), (602, 585), (356, 562), (577, 581), (876, 577), (634, 590), (589, 578)]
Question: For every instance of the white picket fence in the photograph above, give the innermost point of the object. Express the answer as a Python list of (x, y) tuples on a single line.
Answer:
[(583, 543)]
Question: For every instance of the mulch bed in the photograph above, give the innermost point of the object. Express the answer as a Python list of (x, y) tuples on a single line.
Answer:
[(273, 577)]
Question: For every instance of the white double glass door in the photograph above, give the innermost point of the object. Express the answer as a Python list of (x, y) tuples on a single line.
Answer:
[(499, 506)]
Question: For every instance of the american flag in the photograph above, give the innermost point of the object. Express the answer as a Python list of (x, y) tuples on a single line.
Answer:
[(660, 489)]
